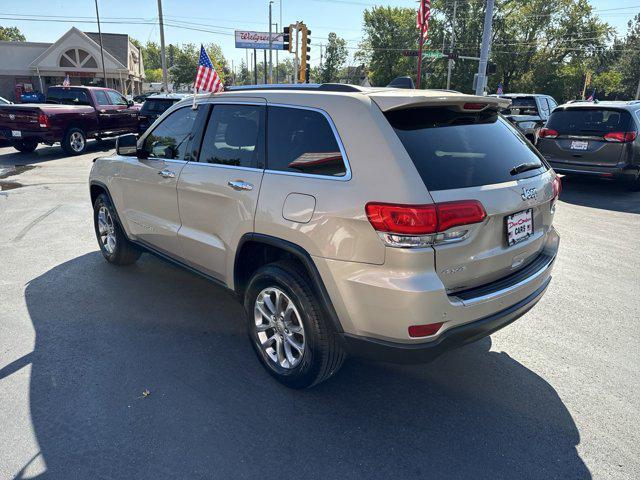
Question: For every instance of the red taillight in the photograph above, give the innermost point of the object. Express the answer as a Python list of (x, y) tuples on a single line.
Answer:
[(43, 120), (547, 133), (620, 137), (423, 219), (557, 187), (424, 330), (474, 106)]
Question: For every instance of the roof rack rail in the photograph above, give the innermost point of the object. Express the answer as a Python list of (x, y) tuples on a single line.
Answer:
[(325, 87)]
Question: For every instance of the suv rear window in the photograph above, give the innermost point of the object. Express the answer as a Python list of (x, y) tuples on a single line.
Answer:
[(156, 106), (68, 96), (458, 150), (589, 121), (522, 106)]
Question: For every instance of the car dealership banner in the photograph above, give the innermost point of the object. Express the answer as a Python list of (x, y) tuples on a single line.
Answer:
[(259, 40)]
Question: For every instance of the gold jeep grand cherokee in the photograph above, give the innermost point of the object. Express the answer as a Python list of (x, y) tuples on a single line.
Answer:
[(374, 222)]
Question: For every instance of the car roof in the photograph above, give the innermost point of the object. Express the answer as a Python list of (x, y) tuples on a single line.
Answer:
[(385, 97), (619, 104), (169, 96)]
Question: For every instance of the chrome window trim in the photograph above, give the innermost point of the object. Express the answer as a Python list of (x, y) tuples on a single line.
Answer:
[(228, 167), (345, 178)]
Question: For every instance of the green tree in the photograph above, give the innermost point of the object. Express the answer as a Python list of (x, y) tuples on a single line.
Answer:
[(11, 34), (336, 56), (151, 56), (387, 31), (153, 74), (629, 60)]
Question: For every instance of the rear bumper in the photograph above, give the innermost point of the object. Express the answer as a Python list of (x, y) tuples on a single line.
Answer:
[(393, 352), (621, 170), (48, 136)]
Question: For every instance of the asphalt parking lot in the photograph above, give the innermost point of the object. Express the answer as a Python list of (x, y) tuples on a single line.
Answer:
[(554, 395)]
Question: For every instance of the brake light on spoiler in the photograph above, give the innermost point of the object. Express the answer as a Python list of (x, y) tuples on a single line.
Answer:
[(407, 226)]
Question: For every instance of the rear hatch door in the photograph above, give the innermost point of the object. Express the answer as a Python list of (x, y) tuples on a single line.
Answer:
[(18, 118), (479, 156), (581, 136)]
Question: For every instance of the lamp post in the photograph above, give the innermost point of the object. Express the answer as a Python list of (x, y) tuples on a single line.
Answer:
[(104, 69)]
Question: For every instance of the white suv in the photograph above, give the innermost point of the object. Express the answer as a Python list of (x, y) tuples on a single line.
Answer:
[(385, 223)]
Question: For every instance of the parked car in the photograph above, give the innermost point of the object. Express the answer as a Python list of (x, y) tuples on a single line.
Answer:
[(156, 105), (529, 111), (382, 223), (4, 101), (142, 97), (71, 115), (594, 138)]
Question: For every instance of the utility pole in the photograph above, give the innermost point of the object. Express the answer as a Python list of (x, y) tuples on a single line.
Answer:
[(266, 73), (255, 67), (486, 45), (104, 69), (270, 45), (295, 57), (163, 58), (321, 56), (277, 33), (453, 42)]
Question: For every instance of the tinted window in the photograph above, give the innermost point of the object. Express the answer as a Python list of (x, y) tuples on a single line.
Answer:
[(458, 150), (589, 121), (68, 96), (116, 98), (101, 97), (522, 106), (170, 139), (303, 141), (234, 136), (156, 107)]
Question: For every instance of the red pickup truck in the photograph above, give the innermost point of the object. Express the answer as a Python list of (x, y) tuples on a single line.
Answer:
[(71, 115)]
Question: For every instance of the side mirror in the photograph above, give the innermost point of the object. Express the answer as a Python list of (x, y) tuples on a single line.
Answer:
[(130, 103), (127, 145)]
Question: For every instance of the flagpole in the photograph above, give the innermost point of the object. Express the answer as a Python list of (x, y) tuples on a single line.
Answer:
[(421, 42)]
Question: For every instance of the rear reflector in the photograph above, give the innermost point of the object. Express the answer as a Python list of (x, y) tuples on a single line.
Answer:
[(423, 219), (557, 187), (547, 133), (424, 330), (620, 137)]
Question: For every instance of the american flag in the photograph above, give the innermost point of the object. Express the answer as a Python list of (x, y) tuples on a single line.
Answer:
[(500, 92), (592, 97), (66, 82), (207, 79), (424, 13)]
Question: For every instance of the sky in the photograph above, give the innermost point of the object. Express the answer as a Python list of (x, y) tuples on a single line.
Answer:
[(220, 18)]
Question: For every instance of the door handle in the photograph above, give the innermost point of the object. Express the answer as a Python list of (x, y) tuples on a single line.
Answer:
[(240, 185), (167, 173)]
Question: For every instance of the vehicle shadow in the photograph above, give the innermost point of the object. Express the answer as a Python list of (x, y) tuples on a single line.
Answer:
[(44, 153), (145, 372), (599, 193)]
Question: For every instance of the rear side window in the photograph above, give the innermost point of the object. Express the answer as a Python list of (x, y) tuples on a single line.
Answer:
[(68, 96), (101, 97), (171, 138), (522, 106), (459, 150), (234, 136), (303, 141), (590, 121), (155, 107)]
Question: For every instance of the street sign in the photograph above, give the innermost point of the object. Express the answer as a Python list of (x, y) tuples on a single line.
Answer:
[(433, 54), (259, 40)]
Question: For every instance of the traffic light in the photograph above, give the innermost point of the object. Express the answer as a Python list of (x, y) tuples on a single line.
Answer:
[(491, 68), (286, 38), (303, 76)]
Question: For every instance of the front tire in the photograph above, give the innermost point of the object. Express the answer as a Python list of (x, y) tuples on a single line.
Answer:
[(288, 328), (25, 146), (74, 141), (114, 244)]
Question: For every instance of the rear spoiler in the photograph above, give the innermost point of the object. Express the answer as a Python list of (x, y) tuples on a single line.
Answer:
[(391, 100)]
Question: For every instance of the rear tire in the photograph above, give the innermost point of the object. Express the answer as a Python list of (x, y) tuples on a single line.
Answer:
[(634, 184), (25, 146), (114, 244), (297, 344), (74, 141)]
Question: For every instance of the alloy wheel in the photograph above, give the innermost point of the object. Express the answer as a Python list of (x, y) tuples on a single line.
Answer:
[(279, 328), (106, 229), (77, 141)]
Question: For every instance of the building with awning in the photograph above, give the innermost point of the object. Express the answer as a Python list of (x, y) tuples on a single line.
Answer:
[(34, 66)]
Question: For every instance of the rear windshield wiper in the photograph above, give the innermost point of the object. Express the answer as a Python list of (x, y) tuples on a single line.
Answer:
[(524, 167)]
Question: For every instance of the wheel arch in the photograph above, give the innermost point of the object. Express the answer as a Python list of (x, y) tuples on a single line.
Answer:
[(96, 187), (256, 250)]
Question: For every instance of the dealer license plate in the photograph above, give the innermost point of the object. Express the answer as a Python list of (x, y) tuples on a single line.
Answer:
[(16, 133), (579, 145), (519, 226)]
